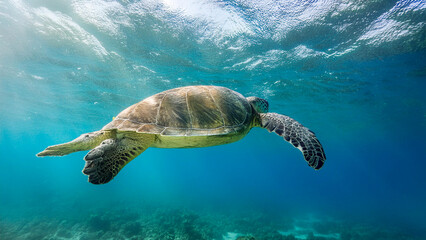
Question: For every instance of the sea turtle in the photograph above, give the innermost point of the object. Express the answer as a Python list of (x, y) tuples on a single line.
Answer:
[(185, 117)]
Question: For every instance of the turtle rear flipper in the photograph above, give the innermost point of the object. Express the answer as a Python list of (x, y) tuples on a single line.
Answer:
[(84, 142), (298, 135), (105, 161)]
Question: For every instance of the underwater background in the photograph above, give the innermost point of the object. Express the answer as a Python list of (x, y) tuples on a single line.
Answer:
[(354, 72)]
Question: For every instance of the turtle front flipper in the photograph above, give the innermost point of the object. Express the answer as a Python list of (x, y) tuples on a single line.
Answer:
[(298, 135), (84, 142), (105, 161)]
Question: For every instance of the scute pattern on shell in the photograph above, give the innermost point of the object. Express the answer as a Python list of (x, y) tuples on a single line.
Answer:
[(187, 111)]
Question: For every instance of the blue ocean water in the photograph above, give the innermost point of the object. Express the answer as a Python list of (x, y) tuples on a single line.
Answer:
[(354, 72)]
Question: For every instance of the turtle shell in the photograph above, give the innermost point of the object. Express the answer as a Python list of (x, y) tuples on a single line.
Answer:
[(187, 111)]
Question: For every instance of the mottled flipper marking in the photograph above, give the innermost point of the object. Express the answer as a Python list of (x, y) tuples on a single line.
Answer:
[(298, 135), (107, 159)]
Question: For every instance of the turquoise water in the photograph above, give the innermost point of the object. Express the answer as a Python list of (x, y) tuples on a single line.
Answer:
[(352, 71)]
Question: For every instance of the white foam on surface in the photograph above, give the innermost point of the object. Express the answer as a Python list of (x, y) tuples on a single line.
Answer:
[(57, 26), (302, 51), (391, 26), (385, 29), (225, 20), (107, 16)]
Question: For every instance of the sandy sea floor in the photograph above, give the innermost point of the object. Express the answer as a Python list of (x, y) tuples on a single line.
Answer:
[(167, 223)]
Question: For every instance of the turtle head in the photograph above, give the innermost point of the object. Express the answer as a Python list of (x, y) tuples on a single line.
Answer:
[(83, 142), (259, 104)]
